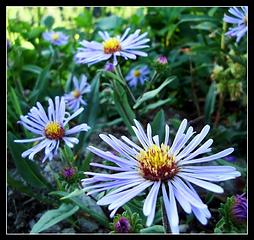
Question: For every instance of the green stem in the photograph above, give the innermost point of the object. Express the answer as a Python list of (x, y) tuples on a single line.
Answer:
[(120, 75), (195, 98), (222, 42), (154, 77), (20, 86)]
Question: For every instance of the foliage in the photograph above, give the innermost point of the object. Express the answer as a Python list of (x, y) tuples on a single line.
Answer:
[(227, 224), (204, 80)]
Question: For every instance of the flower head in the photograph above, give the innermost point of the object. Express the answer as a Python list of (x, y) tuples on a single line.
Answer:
[(124, 46), (56, 38), (109, 67), (156, 165), (239, 208), (122, 225), (68, 172), (137, 75), (162, 60), (51, 128), (74, 98), (240, 19)]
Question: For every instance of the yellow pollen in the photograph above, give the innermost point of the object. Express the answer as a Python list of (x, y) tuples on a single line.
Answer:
[(76, 93), (137, 73), (54, 130), (156, 164), (55, 36), (111, 45)]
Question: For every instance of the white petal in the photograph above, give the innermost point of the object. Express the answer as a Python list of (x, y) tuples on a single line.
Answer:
[(207, 185)]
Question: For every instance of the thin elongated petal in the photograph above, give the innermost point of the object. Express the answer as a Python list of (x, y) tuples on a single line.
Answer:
[(204, 184)]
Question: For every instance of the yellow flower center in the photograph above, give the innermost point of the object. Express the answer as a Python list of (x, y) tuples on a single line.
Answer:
[(155, 164), (55, 36), (137, 73), (76, 93), (111, 45), (54, 130)]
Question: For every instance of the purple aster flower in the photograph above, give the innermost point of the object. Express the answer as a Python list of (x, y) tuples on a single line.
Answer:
[(239, 208), (162, 60), (240, 19), (109, 67), (74, 98), (230, 158), (156, 165), (56, 38), (51, 127), (124, 46), (68, 172), (137, 75), (122, 225)]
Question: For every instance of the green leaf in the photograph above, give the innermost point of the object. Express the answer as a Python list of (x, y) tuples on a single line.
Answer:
[(153, 229), (40, 85), (21, 187), (35, 32), (122, 106), (75, 193), (27, 169), (108, 23), (86, 162), (158, 124), (15, 102), (84, 19), (210, 102), (53, 217), (208, 26), (87, 205), (158, 104), (151, 94), (32, 68), (91, 111), (67, 154), (195, 18), (48, 21)]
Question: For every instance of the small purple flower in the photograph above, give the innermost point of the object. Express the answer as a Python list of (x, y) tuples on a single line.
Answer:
[(74, 98), (137, 75), (126, 46), (51, 128), (162, 60), (68, 172), (230, 158), (122, 225), (109, 67), (56, 38), (239, 208), (240, 19)]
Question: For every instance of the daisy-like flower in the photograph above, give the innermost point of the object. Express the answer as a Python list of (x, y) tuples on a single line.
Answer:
[(240, 19), (124, 46), (74, 98), (56, 38), (137, 75), (159, 165), (51, 127)]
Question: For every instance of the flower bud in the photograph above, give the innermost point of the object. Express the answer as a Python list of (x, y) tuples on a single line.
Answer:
[(122, 225)]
